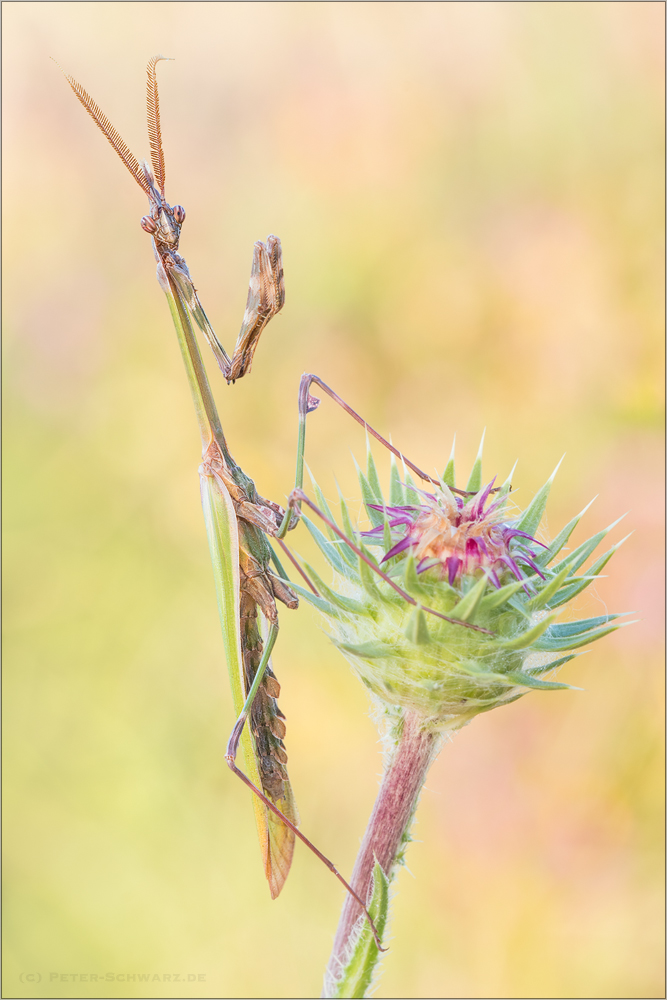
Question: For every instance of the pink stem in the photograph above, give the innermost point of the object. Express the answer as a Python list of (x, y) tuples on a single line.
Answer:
[(391, 817)]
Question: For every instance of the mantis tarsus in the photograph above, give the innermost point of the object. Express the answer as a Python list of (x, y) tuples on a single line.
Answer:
[(239, 521)]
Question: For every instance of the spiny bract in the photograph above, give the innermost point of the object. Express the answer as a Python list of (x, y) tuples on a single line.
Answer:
[(478, 566)]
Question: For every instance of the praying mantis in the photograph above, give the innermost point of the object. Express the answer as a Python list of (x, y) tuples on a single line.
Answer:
[(239, 522)]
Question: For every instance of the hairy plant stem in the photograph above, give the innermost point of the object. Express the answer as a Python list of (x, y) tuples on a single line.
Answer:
[(387, 831)]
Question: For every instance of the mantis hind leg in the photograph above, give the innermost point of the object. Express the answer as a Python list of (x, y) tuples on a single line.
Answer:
[(230, 757), (309, 403)]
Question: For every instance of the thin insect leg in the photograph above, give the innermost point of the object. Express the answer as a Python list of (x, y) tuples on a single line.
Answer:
[(233, 744), (298, 496), (277, 563), (230, 757), (307, 404), (311, 403), (189, 297), (219, 352), (332, 868), (299, 568)]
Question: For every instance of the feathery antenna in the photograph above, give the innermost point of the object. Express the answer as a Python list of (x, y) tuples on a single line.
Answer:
[(105, 126), (153, 116)]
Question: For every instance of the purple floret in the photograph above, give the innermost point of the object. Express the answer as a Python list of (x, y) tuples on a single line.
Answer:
[(401, 546), (478, 505), (452, 563), (477, 548)]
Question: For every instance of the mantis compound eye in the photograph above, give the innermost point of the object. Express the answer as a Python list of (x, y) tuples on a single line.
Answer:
[(148, 225), (179, 214)]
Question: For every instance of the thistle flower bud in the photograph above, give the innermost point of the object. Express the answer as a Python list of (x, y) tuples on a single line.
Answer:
[(480, 595)]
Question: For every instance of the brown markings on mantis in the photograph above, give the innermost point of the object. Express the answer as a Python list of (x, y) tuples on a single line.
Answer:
[(259, 586), (266, 297), (266, 291), (256, 518), (258, 589)]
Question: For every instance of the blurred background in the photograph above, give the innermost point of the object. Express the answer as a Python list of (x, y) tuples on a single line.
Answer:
[(470, 199)]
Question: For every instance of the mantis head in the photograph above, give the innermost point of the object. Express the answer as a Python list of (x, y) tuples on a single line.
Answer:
[(164, 223)]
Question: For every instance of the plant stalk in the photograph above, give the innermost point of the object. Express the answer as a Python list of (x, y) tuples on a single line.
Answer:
[(387, 831)]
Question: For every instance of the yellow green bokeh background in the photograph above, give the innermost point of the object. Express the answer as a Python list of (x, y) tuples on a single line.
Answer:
[(469, 197)]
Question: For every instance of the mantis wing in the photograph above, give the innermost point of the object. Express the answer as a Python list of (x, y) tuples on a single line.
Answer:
[(276, 840)]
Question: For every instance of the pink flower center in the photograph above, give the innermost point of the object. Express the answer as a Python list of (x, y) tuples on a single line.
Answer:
[(461, 538)]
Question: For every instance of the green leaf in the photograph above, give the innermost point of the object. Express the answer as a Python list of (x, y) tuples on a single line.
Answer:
[(411, 581), (338, 600), (368, 577), (396, 489), (544, 595), (474, 483), (550, 645), (469, 668), (500, 704), (372, 474), (527, 680), (330, 551), (507, 485), (535, 671), (348, 554), (498, 597), (417, 629), (518, 603), (370, 494), (581, 582), (467, 607), (562, 631), (357, 975), (412, 497), (372, 650), (329, 610), (545, 557), (376, 517), (527, 638), (532, 515), (579, 556), (449, 475), (324, 506)]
